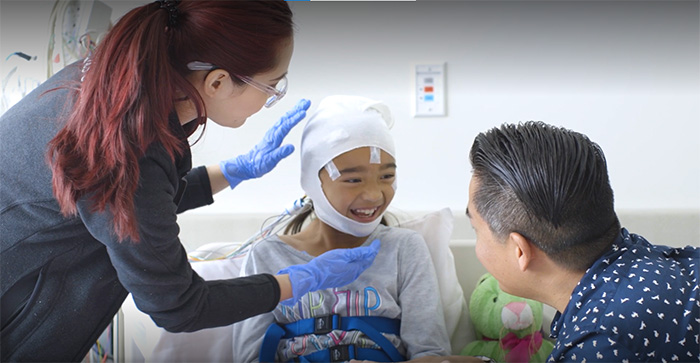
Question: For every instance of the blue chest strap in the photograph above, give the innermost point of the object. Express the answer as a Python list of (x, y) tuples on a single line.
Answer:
[(371, 326)]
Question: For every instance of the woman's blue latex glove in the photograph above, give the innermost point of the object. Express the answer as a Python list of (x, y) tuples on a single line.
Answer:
[(334, 268), (266, 154)]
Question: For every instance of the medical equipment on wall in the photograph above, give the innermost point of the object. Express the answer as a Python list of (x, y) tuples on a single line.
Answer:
[(75, 27), (18, 82), (299, 206)]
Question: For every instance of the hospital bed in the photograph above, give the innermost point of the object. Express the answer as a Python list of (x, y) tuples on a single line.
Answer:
[(449, 237)]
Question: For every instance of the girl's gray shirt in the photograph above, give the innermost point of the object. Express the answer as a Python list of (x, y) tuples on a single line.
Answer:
[(400, 284)]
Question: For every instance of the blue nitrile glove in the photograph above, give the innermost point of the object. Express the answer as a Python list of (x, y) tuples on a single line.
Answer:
[(334, 268), (266, 154)]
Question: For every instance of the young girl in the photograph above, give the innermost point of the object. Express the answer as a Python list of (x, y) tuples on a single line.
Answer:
[(393, 311)]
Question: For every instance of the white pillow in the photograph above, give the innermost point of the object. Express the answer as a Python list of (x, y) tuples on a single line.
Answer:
[(436, 229), (206, 345)]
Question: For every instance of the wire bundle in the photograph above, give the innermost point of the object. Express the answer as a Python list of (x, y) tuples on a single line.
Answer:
[(299, 206)]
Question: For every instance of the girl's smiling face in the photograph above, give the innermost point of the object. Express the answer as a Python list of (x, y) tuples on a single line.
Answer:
[(364, 190)]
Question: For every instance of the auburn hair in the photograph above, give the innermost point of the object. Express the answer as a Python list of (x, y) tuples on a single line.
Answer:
[(129, 89)]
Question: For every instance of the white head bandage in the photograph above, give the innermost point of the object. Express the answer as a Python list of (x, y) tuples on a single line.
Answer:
[(341, 124)]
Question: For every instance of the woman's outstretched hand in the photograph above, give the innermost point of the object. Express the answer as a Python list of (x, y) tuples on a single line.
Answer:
[(268, 152), (334, 268)]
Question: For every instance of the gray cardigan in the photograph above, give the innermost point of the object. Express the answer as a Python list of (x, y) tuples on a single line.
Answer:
[(62, 279)]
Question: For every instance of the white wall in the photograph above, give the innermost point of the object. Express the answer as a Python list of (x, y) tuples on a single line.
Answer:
[(625, 73)]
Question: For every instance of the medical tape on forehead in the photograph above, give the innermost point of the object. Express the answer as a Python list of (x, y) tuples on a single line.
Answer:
[(375, 155), (332, 170)]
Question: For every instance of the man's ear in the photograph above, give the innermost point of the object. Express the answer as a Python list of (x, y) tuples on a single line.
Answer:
[(216, 83), (523, 250)]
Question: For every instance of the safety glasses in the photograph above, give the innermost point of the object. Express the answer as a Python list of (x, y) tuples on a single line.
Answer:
[(275, 93)]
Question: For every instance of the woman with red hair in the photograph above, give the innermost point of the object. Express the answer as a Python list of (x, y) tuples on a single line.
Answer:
[(100, 166)]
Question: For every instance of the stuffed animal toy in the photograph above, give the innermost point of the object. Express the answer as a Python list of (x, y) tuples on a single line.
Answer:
[(507, 327)]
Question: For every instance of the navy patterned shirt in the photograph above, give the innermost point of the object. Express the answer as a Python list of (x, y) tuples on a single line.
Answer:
[(638, 302)]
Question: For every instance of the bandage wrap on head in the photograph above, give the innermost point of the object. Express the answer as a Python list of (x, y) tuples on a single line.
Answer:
[(341, 124)]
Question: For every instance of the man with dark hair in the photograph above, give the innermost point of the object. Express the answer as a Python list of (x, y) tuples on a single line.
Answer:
[(542, 208)]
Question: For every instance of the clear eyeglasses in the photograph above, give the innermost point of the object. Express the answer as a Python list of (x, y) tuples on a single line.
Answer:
[(275, 93)]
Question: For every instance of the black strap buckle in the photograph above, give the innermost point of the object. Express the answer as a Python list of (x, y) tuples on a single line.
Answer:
[(341, 353), (324, 324)]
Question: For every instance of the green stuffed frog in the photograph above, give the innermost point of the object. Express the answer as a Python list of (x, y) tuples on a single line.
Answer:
[(508, 328)]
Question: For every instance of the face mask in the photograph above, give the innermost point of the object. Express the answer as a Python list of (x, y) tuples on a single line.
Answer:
[(341, 124)]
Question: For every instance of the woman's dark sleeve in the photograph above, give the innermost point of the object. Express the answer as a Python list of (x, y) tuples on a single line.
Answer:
[(196, 191), (155, 270)]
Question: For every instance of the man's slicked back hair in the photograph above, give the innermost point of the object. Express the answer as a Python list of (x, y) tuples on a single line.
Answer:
[(550, 185)]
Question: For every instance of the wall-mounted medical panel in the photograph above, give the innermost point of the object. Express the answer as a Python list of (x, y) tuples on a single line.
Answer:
[(429, 93)]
